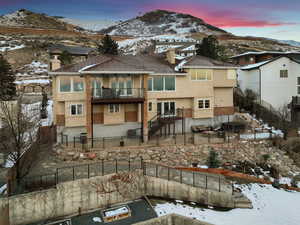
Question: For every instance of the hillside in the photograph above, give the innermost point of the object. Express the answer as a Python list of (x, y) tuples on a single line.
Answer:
[(27, 19), (161, 22)]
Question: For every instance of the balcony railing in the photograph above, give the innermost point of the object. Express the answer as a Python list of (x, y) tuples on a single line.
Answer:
[(117, 93)]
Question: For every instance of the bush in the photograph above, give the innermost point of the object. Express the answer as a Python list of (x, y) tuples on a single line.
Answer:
[(213, 160)]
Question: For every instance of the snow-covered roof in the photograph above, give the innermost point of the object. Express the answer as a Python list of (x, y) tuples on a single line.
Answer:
[(254, 66), (265, 52), (38, 81)]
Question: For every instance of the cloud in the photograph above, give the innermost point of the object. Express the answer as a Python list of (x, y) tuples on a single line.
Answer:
[(224, 18)]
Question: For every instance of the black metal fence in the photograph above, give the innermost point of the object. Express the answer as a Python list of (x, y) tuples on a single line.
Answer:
[(195, 179), (101, 168)]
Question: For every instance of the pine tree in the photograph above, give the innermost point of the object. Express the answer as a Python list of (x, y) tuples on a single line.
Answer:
[(210, 48), (108, 46), (213, 160), (7, 79), (65, 58)]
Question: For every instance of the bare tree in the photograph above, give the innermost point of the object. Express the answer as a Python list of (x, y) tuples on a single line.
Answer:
[(20, 132), (284, 120)]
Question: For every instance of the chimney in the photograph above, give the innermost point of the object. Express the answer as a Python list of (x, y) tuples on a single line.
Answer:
[(171, 55), (55, 63)]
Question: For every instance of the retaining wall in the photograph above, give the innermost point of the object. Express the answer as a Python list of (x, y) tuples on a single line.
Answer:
[(79, 196)]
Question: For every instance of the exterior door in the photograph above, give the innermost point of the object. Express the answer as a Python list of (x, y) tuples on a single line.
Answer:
[(166, 108)]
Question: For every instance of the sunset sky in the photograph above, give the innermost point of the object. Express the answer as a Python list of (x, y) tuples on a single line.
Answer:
[(268, 18)]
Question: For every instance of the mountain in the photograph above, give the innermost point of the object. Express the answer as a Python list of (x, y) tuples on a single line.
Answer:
[(161, 22), (28, 19), (291, 42), (93, 25)]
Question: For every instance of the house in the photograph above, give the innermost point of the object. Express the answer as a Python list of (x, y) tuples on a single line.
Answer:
[(112, 95), (274, 81), (78, 53), (257, 57)]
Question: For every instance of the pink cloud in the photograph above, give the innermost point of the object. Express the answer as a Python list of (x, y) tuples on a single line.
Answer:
[(222, 18)]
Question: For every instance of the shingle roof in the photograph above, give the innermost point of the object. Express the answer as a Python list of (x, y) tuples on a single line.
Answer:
[(73, 50), (156, 64), (206, 62)]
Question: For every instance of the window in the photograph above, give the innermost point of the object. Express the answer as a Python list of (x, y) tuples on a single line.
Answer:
[(150, 106), (169, 83), (76, 109), (158, 83), (203, 103), (77, 84), (113, 108), (97, 89), (298, 85), (161, 83), (283, 73), (123, 87), (150, 84), (200, 75), (65, 84)]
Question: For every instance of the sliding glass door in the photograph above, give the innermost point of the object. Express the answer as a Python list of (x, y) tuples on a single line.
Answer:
[(166, 108)]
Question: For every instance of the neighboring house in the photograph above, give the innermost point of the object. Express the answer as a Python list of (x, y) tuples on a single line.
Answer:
[(274, 81), (78, 53), (257, 57), (33, 86), (110, 95)]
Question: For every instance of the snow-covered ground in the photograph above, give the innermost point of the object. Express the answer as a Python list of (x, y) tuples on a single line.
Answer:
[(270, 207)]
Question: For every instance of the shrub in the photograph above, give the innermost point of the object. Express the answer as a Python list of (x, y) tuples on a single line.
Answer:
[(213, 160)]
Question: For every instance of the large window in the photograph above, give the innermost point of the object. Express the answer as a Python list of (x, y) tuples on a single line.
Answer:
[(77, 84), (123, 87), (201, 75), (65, 84), (162, 83), (76, 109), (203, 103), (283, 73), (69, 84)]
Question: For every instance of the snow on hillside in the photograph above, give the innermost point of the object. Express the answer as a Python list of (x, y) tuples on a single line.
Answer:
[(291, 42), (270, 207), (12, 19), (93, 25), (162, 22)]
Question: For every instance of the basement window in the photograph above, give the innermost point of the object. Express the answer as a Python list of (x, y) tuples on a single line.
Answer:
[(203, 103)]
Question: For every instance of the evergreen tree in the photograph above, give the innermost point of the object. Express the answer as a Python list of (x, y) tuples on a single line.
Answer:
[(7, 79), (44, 106), (108, 46), (213, 161), (210, 48), (65, 58)]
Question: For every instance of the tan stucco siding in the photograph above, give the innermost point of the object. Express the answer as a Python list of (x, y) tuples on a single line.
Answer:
[(223, 97), (115, 117), (224, 78), (75, 120)]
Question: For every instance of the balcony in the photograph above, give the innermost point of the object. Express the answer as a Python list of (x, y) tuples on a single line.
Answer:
[(118, 95)]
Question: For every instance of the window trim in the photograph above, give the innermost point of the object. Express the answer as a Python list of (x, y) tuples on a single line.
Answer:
[(203, 100), (76, 105)]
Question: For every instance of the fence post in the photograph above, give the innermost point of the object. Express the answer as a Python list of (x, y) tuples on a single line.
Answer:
[(103, 143), (88, 171), (184, 138), (74, 142), (92, 142), (193, 179), (156, 171), (168, 173), (142, 162), (116, 166), (181, 176), (219, 184), (102, 167), (61, 138), (73, 173), (205, 181), (56, 180), (129, 165), (255, 135)]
